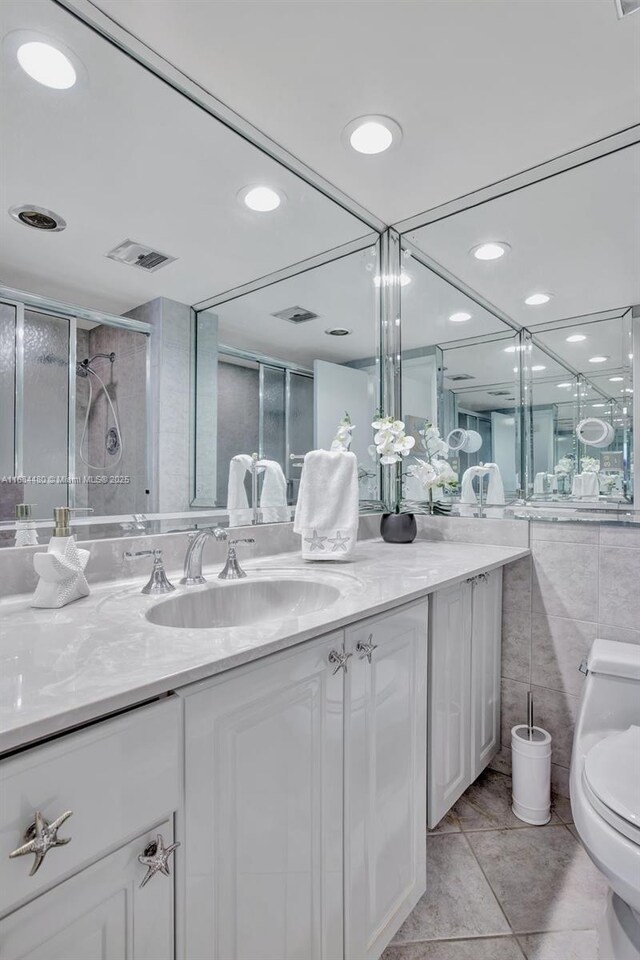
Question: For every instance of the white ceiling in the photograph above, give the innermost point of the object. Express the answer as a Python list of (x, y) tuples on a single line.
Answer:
[(575, 235), (482, 88), (341, 292), (121, 155)]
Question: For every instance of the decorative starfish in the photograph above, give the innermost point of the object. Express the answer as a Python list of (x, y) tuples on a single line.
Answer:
[(317, 542), (41, 837), (156, 858), (339, 543)]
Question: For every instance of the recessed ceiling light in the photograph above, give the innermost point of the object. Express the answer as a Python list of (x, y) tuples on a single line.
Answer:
[(567, 385), (616, 379), (537, 299), (47, 65), (372, 134), (260, 198), (598, 359), (490, 251), (460, 317), (576, 338), (538, 366), (386, 280), (337, 332), (598, 404), (37, 217)]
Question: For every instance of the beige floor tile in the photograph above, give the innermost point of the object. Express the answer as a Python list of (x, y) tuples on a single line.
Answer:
[(491, 948), (458, 902), (565, 945), (486, 805), (542, 878)]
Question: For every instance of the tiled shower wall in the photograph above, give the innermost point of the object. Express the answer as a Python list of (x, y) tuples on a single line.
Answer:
[(581, 581)]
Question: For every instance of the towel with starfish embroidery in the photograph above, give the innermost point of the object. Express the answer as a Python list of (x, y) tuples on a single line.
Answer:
[(327, 510)]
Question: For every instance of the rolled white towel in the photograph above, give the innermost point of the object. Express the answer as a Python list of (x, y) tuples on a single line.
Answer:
[(327, 509)]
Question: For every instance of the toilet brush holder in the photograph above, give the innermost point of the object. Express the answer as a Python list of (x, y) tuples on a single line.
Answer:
[(531, 774)]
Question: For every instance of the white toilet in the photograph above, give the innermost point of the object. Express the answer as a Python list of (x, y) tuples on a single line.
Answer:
[(605, 787)]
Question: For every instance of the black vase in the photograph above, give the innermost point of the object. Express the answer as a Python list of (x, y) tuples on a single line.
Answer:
[(398, 527)]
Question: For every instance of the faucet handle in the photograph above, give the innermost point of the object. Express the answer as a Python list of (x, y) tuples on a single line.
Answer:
[(158, 581)]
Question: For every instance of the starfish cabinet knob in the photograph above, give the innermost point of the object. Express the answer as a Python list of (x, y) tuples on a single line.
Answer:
[(40, 837), (156, 858)]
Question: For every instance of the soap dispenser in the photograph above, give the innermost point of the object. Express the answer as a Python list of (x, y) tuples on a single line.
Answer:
[(26, 533), (61, 568)]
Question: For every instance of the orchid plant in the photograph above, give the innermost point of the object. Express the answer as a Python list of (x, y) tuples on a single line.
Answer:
[(391, 444), (590, 464), (434, 472), (565, 466)]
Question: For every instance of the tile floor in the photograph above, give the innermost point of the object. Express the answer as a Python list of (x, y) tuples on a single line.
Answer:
[(500, 890)]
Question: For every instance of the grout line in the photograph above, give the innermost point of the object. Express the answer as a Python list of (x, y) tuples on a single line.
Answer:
[(495, 895)]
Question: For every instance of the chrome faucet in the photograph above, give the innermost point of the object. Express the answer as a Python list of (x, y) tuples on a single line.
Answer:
[(158, 582), (193, 559)]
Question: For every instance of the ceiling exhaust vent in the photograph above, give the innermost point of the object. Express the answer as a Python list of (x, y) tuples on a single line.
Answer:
[(460, 376), (295, 315), (138, 255), (498, 393)]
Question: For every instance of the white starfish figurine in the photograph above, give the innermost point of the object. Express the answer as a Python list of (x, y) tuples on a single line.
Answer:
[(156, 858), (43, 836)]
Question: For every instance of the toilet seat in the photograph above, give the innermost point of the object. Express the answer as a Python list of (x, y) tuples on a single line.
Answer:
[(611, 779)]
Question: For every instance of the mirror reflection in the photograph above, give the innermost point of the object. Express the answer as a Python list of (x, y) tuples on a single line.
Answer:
[(290, 361), (98, 290), (555, 262)]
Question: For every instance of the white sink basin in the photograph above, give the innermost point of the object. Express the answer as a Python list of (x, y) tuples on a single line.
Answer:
[(242, 603)]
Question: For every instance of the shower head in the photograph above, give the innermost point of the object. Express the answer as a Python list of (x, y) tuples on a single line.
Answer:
[(84, 367)]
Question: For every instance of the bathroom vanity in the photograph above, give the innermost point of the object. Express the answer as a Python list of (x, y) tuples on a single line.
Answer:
[(286, 756)]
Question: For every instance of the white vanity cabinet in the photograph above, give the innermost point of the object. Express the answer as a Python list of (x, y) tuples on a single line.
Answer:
[(385, 777), (121, 778), (464, 687), (305, 788)]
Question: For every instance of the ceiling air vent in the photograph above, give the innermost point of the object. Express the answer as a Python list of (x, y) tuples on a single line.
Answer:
[(138, 255), (460, 376), (498, 393), (295, 315)]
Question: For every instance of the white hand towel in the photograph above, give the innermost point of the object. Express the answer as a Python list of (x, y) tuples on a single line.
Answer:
[(237, 501), (538, 483), (495, 491), (576, 487), (327, 509), (467, 492), (590, 485), (273, 499)]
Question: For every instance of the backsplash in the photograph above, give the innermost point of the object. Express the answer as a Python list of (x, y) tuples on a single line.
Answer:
[(106, 562), (581, 581)]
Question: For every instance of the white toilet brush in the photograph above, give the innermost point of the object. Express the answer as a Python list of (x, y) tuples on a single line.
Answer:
[(531, 770)]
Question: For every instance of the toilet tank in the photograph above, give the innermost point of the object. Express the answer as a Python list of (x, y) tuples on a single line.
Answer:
[(611, 696)]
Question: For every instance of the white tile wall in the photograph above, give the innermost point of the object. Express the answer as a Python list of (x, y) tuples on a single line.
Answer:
[(580, 582)]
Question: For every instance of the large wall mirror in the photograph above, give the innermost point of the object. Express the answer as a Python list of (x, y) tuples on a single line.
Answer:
[(126, 204), (527, 304)]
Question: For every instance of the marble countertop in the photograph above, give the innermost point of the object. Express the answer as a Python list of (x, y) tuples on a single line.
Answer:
[(61, 668)]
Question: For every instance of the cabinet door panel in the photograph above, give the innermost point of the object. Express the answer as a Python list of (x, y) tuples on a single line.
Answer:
[(263, 823), (486, 644), (385, 764), (99, 914), (449, 754)]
